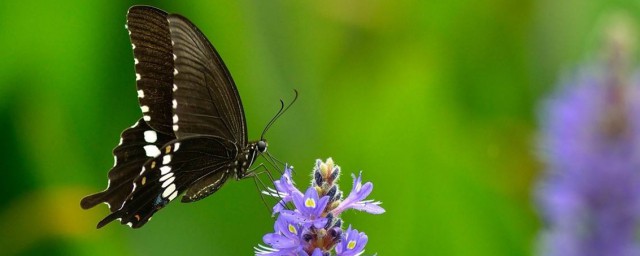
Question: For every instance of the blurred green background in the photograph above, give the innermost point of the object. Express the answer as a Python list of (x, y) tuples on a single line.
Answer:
[(434, 100)]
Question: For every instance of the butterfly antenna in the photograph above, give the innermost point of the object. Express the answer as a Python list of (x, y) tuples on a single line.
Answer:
[(282, 110)]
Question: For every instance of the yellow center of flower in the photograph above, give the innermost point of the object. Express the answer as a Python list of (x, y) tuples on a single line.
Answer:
[(292, 229), (310, 203), (351, 244)]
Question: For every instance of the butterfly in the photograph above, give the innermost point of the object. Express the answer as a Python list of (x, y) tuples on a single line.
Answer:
[(192, 136)]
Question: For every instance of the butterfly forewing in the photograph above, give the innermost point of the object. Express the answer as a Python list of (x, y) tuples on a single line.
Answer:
[(207, 100), (153, 57), (181, 162), (138, 144)]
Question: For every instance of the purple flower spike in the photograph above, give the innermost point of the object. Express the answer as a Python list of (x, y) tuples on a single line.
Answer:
[(356, 196), (589, 196), (309, 224), (352, 244)]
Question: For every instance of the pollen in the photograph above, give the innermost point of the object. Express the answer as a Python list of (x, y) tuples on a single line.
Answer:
[(351, 244), (292, 229), (310, 203)]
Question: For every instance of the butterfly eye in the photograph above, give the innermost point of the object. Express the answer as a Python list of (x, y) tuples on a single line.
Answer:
[(262, 146)]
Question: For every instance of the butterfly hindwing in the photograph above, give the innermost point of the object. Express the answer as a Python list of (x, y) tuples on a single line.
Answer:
[(181, 163), (206, 98), (206, 186), (153, 57), (138, 144)]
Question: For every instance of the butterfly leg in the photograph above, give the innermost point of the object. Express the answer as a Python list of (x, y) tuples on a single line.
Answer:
[(260, 185), (274, 162)]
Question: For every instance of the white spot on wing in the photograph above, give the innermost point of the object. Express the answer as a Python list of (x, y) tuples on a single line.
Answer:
[(174, 103), (176, 146), (151, 150), (169, 181), (175, 71), (169, 190), (146, 118), (120, 143), (130, 224), (165, 169), (175, 119), (115, 161), (175, 127), (143, 169), (138, 77), (173, 195), (135, 61), (140, 92), (133, 46), (175, 57), (165, 177), (175, 87), (150, 136), (166, 159)]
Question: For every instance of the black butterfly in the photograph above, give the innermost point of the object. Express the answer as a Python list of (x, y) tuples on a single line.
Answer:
[(193, 134)]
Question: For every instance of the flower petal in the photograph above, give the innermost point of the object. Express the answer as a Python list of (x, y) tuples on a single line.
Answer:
[(285, 183), (317, 252), (305, 221), (356, 197), (352, 244), (288, 228), (369, 207), (278, 241), (310, 205)]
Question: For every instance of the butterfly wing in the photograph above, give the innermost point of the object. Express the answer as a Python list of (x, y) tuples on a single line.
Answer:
[(138, 144), (180, 163), (206, 100), (153, 57), (185, 90)]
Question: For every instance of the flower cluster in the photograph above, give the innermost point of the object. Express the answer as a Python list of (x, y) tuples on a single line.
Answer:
[(590, 195), (313, 226)]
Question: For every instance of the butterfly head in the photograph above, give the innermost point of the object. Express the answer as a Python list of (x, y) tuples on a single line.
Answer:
[(262, 146)]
